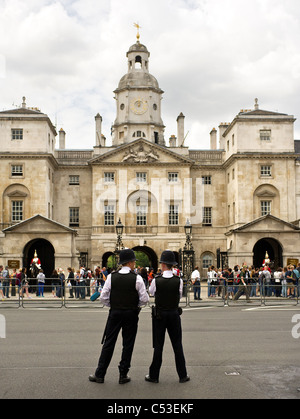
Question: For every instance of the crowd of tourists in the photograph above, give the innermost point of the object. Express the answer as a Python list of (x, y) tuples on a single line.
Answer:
[(225, 283), (253, 282)]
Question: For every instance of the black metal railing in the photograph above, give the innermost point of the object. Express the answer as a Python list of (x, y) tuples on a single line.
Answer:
[(61, 295)]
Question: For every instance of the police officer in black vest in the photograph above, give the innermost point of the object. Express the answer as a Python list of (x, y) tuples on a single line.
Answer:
[(124, 292), (167, 289)]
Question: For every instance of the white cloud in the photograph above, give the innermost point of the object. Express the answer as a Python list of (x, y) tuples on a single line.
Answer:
[(211, 58)]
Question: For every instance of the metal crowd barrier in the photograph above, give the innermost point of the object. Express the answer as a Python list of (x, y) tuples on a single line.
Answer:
[(58, 296)]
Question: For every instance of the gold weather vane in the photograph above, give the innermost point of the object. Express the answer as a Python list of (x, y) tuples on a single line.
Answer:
[(136, 25)]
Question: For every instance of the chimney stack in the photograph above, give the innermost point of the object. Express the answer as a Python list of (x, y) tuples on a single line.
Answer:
[(172, 141), (222, 128), (213, 139), (180, 129), (62, 139), (98, 120)]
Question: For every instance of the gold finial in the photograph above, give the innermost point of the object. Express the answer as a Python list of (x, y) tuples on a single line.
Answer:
[(136, 25)]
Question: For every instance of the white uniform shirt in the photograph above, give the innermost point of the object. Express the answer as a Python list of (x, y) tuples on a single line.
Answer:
[(139, 285), (166, 274)]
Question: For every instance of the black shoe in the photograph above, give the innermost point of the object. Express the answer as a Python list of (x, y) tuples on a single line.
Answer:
[(123, 379), (151, 380), (96, 379), (184, 379)]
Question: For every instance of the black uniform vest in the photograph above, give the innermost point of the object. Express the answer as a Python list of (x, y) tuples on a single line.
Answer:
[(167, 292), (123, 293)]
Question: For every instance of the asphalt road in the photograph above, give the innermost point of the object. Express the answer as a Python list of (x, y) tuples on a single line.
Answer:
[(231, 353)]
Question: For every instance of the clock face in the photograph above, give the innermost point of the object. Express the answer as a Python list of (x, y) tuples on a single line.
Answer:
[(139, 106)]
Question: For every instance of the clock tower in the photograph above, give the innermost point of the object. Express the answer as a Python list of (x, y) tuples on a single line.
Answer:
[(138, 99)]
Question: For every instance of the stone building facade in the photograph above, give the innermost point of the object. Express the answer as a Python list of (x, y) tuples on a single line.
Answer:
[(242, 196)]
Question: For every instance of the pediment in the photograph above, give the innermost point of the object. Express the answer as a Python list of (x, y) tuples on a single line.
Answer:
[(267, 223), (141, 151), (38, 224), (16, 194), (266, 194)]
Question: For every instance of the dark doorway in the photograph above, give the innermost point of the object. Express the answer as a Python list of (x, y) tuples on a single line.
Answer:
[(45, 252), (108, 260), (274, 250), (153, 261)]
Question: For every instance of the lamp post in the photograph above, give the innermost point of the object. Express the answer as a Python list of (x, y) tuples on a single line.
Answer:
[(119, 244), (188, 252)]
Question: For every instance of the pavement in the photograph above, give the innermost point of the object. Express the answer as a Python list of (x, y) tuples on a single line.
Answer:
[(243, 351)]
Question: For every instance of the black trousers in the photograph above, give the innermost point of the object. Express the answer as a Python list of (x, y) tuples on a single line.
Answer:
[(170, 321), (127, 320)]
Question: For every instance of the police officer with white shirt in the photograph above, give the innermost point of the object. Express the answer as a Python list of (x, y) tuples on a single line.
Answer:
[(124, 292), (167, 289)]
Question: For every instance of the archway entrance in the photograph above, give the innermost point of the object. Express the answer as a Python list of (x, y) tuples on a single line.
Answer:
[(152, 257), (274, 250), (45, 252), (108, 260)]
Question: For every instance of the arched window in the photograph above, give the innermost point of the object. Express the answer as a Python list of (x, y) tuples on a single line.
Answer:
[(207, 260), (16, 203), (139, 134), (266, 200), (138, 62)]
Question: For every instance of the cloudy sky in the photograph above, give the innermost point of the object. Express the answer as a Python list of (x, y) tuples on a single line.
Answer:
[(212, 58)]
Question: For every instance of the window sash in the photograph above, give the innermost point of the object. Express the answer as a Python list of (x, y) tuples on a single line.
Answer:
[(265, 135), (265, 207), (17, 134), (109, 215), (141, 215), (74, 180), (16, 211), (109, 177), (206, 216), (74, 216), (207, 261), (265, 171), (141, 177), (173, 177), (173, 214), (206, 180), (17, 170)]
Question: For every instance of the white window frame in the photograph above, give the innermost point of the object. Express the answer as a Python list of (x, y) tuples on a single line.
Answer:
[(207, 260), (73, 179), (16, 170), (141, 177), (265, 135), (17, 134), (266, 170), (173, 177), (141, 215), (109, 177), (265, 207), (206, 180), (207, 216), (74, 216), (173, 216), (17, 211), (109, 215)]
